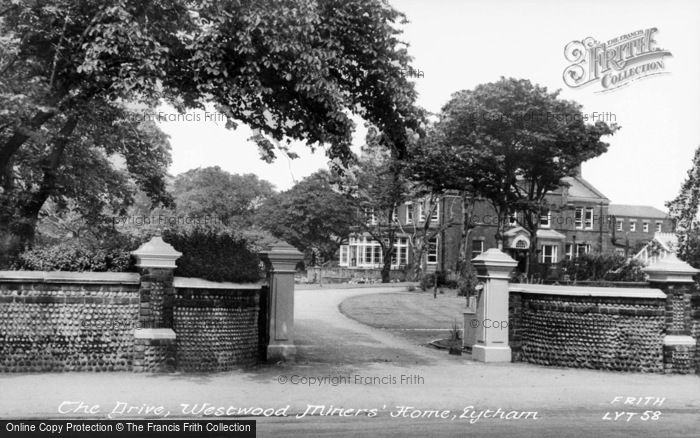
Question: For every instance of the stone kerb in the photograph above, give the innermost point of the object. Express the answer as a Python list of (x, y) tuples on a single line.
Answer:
[(281, 262), (155, 341), (490, 340), (675, 278)]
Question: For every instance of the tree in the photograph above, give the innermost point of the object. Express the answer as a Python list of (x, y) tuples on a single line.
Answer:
[(85, 167), (683, 210), (311, 216), (513, 142), (375, 185), (289, 70), (440, 168), (213, 193)]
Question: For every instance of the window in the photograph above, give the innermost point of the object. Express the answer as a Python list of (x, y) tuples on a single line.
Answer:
[(546, 219), (633, 225), (477, 247), (569, 248), (435, 215), (400, 255), (371, 216), (409, 213), (588, 219), (433, 251), (549, 254), (365, 253), (618, 224), (645, 226), (421, 212), (582, 249), (658, 227), (578, 218), (344, 250)]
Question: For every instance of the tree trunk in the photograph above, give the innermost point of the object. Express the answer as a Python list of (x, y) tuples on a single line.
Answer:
[(386, 267), (17, 232)]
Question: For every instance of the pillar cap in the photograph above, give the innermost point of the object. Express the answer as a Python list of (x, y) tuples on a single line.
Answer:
[(494, 263), (282, 249), (156, 253), (671, 269)]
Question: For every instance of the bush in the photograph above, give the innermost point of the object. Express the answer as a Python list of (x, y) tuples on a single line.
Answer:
[(608, 267), (72, 256), (427, 281), (214, 256)]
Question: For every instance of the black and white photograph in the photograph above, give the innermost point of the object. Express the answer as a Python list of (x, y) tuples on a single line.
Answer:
[(349, 218)]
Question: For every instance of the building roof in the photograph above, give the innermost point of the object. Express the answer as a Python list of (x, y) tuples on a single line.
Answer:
[(636, 211), (578, 189)]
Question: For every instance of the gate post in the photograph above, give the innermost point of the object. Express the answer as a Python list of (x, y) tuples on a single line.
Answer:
[(155, 343), (675, 278), (494, 267), (281, 262)]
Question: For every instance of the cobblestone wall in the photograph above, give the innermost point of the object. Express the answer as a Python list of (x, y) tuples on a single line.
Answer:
[(217, 329), (609, 333), (76, 322), (695, 326)]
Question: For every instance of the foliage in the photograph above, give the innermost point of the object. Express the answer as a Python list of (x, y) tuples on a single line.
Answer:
[(85, 253), (214, 256), (311, 216), (77, 77), (608, 267), (509, 142), (220, 196), (427, 281), (683, 210), (71, 257), (467, 283)]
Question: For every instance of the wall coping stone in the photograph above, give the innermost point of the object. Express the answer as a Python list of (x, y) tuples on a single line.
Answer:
[(70, 277), (200, 283), (586, 291), (154, 333), (679, 340)]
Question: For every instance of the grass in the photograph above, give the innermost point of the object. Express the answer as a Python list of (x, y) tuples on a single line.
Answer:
[(416, 316)]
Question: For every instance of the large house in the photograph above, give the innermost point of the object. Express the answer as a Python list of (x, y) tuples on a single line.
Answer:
[(579, 220)]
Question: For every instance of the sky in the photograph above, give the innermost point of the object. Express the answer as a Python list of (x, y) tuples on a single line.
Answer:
[(460, 44)]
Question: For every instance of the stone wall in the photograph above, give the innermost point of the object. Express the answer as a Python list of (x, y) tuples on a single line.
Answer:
[(695, 326), (67, 321), (216, 324), (584, 327)]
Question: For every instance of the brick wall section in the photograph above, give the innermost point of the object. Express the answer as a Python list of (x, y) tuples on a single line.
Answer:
[(217, 329), (75, 322), (156, 297), (609, 333)]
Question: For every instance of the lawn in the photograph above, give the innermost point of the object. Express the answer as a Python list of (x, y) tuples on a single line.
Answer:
[(415, 315)]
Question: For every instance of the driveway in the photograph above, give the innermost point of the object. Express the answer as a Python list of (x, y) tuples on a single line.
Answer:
[(398, 389)]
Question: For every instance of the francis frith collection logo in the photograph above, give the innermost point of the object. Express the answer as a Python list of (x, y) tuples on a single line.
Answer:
[(614, 63)]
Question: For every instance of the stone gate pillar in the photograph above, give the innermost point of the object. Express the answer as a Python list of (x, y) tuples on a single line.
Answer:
[(154, 345), (491, 343), (675, 278), (281, 261)]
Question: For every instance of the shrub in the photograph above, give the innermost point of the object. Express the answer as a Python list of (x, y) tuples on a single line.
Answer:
[(72, 256), (214, 256), (609, 267)]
